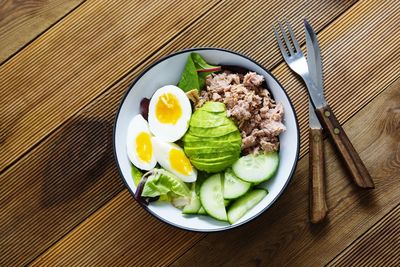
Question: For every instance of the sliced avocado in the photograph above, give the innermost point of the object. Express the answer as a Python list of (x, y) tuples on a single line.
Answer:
[(212, 143), (204, 114), (215, 159), (211, 149), (229, 137), (207, 122), (212, 132), (211, 167), (214, 106)]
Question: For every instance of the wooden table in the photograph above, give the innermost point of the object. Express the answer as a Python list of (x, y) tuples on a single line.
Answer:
[(64, 66)]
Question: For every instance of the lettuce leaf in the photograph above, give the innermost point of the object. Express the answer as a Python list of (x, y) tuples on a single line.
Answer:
[(162, 182)]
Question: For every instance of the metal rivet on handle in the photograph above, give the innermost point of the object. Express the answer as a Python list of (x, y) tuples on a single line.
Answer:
[(336, 130), (327, 113)]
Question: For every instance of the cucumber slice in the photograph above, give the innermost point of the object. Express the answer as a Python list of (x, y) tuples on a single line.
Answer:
[(202, 211), (226, 202), (243, 204), (194, 204), (233, 186), (256, 169), (211, 197)]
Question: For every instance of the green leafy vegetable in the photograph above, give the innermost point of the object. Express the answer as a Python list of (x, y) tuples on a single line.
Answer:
[(200, 63), (202, 79), (195, 73), (189, 79), (136, 174), (161, 182)]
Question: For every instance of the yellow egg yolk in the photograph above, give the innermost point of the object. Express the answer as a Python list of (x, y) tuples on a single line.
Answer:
[(144, 148), (179, 161), (168, 109)]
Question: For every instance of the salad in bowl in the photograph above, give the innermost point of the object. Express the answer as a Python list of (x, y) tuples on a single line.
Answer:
[(206, 139)]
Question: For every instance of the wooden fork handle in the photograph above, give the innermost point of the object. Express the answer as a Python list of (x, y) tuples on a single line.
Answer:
[(318, 208), (358, 171)]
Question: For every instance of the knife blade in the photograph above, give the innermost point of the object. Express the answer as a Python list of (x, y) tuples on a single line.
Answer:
[(327, 118)]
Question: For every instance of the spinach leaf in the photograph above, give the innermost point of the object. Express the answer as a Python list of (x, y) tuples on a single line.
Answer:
[(200, 63), (202, 68), (189, 79), (195, 72)]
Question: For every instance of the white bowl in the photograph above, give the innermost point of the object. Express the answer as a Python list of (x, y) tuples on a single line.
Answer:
[(167, 71)]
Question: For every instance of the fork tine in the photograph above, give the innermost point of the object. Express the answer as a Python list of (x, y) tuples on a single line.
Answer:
[(280, 44), (288, 44), (294, 40)]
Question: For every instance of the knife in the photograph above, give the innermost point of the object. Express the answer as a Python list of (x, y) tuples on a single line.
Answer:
[(359, 172), (317, 200)]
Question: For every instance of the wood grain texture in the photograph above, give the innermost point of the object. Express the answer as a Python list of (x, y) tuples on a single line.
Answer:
[(78, 58), (283, 236), (23, 21), (69, 177), (77, 193), (358, 172), (299, 194), (379, 246), (142, 241), (317, 191)]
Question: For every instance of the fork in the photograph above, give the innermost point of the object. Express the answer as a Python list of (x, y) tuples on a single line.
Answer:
[(297, 62), (295, 59)]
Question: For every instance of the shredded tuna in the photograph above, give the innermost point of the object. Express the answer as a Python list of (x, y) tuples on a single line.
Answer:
[(250, 105)]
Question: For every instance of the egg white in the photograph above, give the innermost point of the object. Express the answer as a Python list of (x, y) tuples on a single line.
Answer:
[(136, 126), (162, 150), (170, 132)]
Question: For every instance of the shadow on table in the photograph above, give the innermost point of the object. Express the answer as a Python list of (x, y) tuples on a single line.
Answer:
[(79, 155)]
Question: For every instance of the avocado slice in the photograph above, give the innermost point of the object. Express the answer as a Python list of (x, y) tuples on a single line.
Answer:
[(211, 149), (211, 167), (212, 132), (207, 122), (216, 144), (216, 159), (215, 107), (230, 137)]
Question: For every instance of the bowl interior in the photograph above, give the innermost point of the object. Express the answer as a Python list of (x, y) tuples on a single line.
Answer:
[(168, 71)]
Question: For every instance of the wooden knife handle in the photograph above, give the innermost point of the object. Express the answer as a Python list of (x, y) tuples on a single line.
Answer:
[(358, 171), (318, 208)]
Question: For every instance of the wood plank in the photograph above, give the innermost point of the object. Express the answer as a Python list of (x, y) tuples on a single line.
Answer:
[(153, 243), (63, 182), (284, 237), (75, 60), (23, 21), (79, 192), (379, 246), (65, 248)]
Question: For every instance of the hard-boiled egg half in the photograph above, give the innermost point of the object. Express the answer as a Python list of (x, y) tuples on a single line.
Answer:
[(172, 158), (139, 146), (169, 113)]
